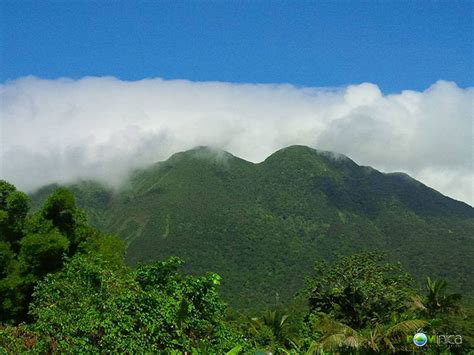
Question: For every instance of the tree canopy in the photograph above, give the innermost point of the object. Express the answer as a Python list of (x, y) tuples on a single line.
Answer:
[(65, 287)]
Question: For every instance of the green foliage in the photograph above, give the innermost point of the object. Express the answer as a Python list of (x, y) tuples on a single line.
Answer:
[(107, 247), (330, 326), (60, 208), (14, 207), (41, 254), (437, 301), (6, 259), (360, 304), (94, 305), (33, 245), (358, 290), (5, 189), (15, 292), (337, 336), (269, 331), (278, 323), (259, 225), (90, 300), (265, 224), (12, 298)]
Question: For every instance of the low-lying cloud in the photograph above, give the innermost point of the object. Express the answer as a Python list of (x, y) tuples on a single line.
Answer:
[(61, 130)]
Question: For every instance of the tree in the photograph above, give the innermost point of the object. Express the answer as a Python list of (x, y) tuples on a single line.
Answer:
[(379, 338), (42, 253), (359, 290), (388, 337), (278, 323), (34, 245), (437, 301), (14, 206), (6, 259), (359, 303), (60, 208), (12, 297), (5, 189), (13, 293), (270, 331), (96, 305)]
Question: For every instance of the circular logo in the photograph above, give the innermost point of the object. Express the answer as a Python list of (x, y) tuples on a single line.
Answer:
[(420, 339)]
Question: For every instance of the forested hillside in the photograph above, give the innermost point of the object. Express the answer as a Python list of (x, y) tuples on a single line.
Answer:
[(65, 287), (262, 226)]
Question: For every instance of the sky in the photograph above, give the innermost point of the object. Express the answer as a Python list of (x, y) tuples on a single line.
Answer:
[(396, 44), (93, 89)]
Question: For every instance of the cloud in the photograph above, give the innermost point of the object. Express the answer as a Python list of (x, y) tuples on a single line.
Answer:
[(61, 130)]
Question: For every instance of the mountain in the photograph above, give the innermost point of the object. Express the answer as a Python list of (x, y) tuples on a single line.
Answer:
[(262, 226)]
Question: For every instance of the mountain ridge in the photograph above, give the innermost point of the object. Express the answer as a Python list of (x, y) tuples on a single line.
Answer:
[(262, 225)]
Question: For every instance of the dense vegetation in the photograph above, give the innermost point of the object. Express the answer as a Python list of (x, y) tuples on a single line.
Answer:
[(65, 287), (262, 226)]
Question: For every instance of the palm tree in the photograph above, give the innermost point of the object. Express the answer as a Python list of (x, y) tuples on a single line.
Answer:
[(381, 338), (336, 335), (297, 349), (278, 323), (437, 301), (385, 337), (274, 323)]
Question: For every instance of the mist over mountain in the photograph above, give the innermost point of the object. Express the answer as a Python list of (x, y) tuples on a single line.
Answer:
[(102, 128), (261, 226)]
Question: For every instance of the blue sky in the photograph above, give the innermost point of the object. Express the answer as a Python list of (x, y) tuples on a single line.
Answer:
[(394, 44)]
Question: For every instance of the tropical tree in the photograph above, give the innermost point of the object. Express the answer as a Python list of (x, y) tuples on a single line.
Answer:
[(96, 305), (14, 206), (387, 337), (34, 245), (60, 208), (437, 301), (270, 330), (278, 323), (42, 253), (6, 259), (359, 290), (337, 336), (360, 303)]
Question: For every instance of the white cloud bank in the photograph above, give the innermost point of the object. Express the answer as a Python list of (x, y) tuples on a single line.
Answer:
[(61, 130)]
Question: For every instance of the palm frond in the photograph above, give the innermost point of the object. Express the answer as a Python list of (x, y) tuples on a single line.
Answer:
[(405, 327), (337, 341), (336, 334), (417, 304), (283, 320), (325, 324)]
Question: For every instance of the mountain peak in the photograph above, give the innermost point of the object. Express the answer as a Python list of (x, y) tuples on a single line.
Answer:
[(291, 152), (203, 152), (301, 155), (250, 221)]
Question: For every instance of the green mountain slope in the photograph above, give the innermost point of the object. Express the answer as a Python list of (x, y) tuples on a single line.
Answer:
[(262, 226)]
